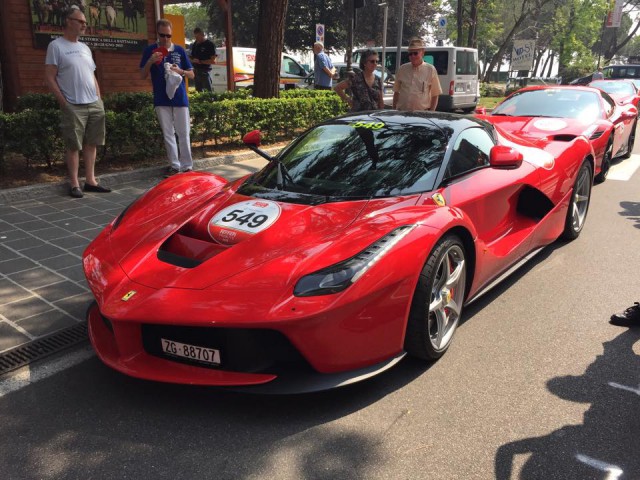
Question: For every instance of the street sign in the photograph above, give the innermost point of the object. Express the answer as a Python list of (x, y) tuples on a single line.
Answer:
[(442, 22), (319, 32)]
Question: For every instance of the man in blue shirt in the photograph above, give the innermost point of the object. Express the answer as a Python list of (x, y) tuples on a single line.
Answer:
[(165, 61), (323, 69)]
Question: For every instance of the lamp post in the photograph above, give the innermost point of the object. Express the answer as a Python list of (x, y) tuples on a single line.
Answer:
[(384, 37)]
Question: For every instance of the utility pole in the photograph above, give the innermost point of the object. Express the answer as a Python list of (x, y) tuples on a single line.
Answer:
[(384, 37), (399, 41)]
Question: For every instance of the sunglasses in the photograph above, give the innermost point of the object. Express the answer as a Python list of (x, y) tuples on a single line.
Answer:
[(411, 54), (164, 35)]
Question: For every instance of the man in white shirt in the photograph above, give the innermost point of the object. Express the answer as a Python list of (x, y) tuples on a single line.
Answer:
[(69, 74), (417, 86)]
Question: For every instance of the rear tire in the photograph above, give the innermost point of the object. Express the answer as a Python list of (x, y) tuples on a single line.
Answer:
[(579, 204), (437, 302), (632, 140)]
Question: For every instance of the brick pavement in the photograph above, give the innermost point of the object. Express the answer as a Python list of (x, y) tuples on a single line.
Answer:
[(43, 233)]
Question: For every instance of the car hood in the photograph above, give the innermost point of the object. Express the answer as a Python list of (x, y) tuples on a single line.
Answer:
[(200, 245), (540, 127)]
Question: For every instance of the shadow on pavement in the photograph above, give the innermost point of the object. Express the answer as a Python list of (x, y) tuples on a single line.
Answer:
[(606, 445)]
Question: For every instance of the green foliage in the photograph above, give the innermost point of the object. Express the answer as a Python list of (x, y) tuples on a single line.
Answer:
[(303, 15), (37, 101), (491, 90), (133, 130), (194, 16)]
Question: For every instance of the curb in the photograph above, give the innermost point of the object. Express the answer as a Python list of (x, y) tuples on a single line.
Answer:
[(114, 179)]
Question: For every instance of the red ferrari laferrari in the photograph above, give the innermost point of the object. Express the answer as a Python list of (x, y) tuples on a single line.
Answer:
[(622, 91), (359, 243), (564, 112)]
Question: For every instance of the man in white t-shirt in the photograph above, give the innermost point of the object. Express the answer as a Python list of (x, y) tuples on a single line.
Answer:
[(417, 86), (69, 74)]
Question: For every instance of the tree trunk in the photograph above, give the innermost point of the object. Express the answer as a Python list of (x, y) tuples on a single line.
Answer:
[(266, 83), (459, 20), (551, 57), (472, 40)]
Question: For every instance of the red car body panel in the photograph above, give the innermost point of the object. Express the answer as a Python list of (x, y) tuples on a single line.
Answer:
[(249, 284)]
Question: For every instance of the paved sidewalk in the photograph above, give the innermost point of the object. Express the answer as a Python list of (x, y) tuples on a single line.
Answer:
[(43, 233)]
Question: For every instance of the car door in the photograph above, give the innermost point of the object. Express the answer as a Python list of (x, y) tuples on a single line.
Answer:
[(622, 122), (488, 197)]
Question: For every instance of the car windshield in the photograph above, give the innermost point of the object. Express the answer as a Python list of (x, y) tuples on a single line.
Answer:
[(361, 159), (552, 102), (615, 87)]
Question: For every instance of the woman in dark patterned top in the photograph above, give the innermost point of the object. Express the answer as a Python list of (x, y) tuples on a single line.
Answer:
[(365, 87)]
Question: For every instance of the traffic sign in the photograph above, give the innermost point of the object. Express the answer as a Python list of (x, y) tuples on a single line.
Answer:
[(442, 22), (319, 32)]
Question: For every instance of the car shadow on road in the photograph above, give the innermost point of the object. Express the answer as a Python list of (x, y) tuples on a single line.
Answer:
[(606, 444), (98, 423), (631, 210)]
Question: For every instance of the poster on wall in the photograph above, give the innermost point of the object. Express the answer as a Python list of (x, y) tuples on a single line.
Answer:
[(111, 24)]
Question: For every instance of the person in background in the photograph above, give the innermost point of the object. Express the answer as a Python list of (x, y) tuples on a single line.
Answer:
[(417, 86), (366, 88), (69, 74), (323, 69), (598, 75), (203, 55), (172, 112)]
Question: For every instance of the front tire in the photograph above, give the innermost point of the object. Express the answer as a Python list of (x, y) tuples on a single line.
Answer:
[(579, 205), (606, 162), (437, 302)]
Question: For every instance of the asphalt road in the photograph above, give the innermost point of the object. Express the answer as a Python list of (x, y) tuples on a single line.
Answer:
[(537, 385)]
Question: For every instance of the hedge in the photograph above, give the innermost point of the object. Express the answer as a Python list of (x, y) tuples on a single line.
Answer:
[(32, 132)]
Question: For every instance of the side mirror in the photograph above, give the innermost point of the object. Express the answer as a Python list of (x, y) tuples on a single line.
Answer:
[(252, 138), (504, 157)]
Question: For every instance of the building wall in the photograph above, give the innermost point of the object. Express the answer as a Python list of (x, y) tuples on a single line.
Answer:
[(23, 65)]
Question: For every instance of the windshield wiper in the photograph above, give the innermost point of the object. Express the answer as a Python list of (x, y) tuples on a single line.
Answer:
[(501, 115)]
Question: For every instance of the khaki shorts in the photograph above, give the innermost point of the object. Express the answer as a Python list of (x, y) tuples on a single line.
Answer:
[(83, 125)]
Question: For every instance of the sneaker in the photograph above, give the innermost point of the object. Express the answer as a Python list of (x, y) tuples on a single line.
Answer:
[(170, 172), (629, 318), (186, 170)]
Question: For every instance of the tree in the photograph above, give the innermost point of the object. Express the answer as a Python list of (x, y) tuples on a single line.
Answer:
[(271, 16), (194, 16)]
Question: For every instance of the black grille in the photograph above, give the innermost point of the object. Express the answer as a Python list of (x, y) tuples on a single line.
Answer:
[(241, 349), (42, 347)]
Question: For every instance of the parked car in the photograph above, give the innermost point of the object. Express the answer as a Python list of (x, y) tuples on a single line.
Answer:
[(621, 71), (361, 242), (586, 80), (622, 91), (566, 112)]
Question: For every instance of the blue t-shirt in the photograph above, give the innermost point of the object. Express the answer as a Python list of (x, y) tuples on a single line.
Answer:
[(322, 79), (178, 56)]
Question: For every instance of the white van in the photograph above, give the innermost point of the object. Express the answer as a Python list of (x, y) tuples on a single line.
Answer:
[(292, 74), (457, 70)]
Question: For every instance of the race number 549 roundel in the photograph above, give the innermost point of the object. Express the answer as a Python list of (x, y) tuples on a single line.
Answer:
[(241, 220)]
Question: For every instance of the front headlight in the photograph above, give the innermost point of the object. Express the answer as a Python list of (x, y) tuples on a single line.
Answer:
[(337, 277)]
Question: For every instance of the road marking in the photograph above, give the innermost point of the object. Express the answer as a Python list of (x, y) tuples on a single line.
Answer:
[(612, 470), (624, 170), (34, 373), (624, 387)]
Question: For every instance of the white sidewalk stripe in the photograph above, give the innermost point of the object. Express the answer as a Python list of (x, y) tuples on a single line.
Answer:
[(624, 170)]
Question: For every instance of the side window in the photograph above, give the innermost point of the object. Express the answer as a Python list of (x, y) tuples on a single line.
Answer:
[(609, 104), (471, 151)]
